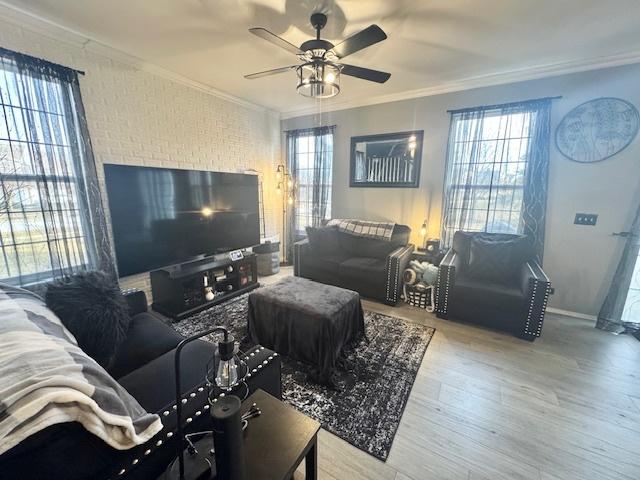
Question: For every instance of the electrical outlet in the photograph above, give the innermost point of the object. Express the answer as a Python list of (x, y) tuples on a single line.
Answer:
[(586, 219)]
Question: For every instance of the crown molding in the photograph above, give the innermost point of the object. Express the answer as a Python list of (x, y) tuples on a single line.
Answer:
[(501, 78), (36, 23)]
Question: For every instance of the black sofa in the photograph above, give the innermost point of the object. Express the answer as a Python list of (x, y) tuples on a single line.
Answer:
[(494, 280), (144, 365), (369, 266)]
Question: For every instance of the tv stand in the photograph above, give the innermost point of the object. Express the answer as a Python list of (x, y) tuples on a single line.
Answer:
[(180, 290)]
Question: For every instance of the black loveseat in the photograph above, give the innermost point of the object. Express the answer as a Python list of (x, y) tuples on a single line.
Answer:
[(144, 366), (493, 279), (369, 266)]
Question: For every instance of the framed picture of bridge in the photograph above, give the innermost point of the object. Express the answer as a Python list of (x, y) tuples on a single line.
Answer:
[(389, 160)]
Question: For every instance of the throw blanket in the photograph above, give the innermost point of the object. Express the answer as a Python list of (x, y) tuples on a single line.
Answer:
[(46, 379), (363, 228)]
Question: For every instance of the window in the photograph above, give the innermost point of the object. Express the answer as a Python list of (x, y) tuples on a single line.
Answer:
[(310, 160), (487, 166), (44, 224)]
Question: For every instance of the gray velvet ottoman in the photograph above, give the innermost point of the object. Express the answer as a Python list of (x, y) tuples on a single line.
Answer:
[(307, 321)]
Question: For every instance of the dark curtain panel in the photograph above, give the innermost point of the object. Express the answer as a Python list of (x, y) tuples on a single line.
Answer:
[(534, 202), (310, 163), (620, 311), (497, 169), (51, 218)]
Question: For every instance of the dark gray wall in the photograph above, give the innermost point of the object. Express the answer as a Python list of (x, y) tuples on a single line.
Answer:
[(580, 260)]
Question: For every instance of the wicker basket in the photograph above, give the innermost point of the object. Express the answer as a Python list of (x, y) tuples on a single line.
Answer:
[(418, 298)]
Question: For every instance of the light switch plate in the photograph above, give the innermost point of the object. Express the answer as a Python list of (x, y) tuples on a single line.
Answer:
[(589, 219)]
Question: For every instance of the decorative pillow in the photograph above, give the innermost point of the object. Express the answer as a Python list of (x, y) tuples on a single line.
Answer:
[(323, 240), (496, 260), (93, 309)]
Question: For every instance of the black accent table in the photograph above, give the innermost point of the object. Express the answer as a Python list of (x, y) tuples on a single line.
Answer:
[(425, 256), (277, 441)]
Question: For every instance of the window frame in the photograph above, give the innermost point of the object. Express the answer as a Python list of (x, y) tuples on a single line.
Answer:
[(72, 182), (492, 205), (299, 227)]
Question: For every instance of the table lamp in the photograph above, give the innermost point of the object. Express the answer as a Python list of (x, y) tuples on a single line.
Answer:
[(423, 233), (226, 377)]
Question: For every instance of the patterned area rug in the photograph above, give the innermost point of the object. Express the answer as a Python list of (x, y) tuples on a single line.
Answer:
[(373, 388)]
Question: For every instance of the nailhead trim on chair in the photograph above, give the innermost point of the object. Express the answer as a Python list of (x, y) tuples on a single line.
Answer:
[(443, 304), (184, 400), (531, 304), (446, 289), (537, 330), (395, 257), (438, 309)]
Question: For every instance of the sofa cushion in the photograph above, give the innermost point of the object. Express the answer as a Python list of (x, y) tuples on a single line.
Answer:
[(324, 240), (476, 294), (365, 268), (153, 384), (148, 337), (92, 307), (496, 260), (328, 264), (462, 243)]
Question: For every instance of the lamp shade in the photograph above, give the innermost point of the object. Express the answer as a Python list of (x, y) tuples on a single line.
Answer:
[(318, 79)]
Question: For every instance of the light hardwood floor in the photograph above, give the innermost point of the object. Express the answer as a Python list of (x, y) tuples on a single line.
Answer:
[(488, 406)]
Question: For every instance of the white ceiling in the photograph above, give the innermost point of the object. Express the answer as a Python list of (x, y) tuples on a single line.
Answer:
[(432, 44)]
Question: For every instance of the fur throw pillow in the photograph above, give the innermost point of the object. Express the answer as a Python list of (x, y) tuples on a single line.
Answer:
[(92, 307)]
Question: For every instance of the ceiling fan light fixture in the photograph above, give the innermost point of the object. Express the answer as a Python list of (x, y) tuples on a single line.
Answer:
[(319, 74), (318, 79)]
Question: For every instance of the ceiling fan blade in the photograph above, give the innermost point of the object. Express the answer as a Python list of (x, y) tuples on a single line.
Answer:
[(365, 73), (363, 39), (269, 72), (276, 40)]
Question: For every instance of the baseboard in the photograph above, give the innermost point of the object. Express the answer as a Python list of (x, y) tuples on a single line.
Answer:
[(569, 313)]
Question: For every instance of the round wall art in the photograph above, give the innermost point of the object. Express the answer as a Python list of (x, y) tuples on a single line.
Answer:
[(597, 129)]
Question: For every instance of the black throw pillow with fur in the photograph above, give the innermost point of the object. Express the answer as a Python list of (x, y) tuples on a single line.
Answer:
[(92, 307)]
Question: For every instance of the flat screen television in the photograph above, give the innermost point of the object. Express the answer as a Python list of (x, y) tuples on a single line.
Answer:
[(163, 216)]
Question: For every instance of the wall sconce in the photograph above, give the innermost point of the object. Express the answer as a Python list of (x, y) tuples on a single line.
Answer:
[(287, 188)]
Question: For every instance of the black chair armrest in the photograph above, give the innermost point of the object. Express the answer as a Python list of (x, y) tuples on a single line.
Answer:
[(397, 262), (536, 287), (137, 301), (300, 249), (449, 266)]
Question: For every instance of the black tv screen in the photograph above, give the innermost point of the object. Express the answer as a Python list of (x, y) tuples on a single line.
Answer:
[(163, 216)]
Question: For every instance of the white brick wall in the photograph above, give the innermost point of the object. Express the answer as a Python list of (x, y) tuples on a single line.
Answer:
[(139, 118)]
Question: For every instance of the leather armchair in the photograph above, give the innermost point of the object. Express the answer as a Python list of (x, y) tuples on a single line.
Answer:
[(515, 303)]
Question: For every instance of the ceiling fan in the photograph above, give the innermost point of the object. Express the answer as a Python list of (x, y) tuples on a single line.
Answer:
[(319, 74)]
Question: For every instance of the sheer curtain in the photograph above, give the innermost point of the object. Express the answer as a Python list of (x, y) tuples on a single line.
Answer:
[(497, 170), (51, 218), (310, 163), (291, 215), (322, 173), (620, 311)]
